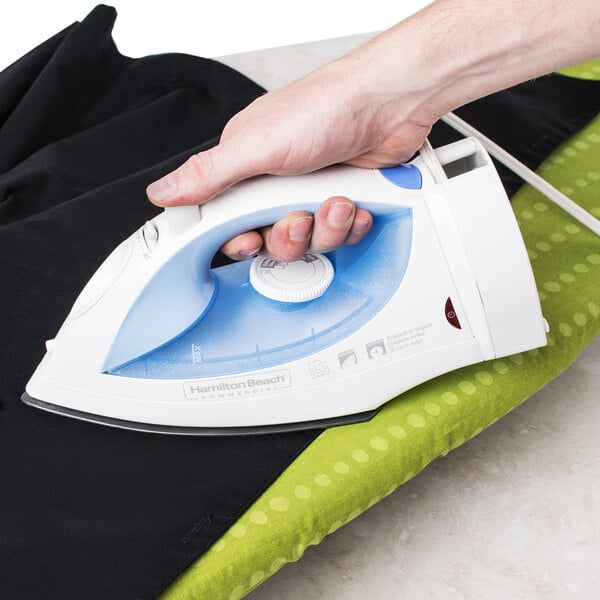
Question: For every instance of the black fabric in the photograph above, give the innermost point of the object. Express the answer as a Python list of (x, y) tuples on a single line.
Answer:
[(529, 120), (88, 511)]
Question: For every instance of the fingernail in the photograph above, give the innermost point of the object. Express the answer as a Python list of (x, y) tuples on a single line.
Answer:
[(300, 229), (251, 252), (339, 213), (360, 226), (162, 189)]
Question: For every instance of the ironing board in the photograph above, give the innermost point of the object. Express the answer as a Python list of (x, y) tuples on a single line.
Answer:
[(348, 469)]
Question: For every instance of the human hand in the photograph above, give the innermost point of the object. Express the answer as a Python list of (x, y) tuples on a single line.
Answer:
[(322, 119), (375, 106)]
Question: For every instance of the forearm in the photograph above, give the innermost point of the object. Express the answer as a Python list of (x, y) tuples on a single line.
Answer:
[(453, 52)]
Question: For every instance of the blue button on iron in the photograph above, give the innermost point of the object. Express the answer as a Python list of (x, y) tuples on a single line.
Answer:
[(404, 176)]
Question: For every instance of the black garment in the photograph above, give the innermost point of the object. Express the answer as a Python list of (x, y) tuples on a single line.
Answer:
[(88, 511), (529, 120)]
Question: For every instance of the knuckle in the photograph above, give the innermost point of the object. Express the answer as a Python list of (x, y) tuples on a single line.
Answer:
[(197, 171)]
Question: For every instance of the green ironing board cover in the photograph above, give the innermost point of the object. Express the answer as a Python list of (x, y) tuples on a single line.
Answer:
[(348, 469)]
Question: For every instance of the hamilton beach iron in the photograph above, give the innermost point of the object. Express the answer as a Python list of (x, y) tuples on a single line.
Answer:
[(160, 341)]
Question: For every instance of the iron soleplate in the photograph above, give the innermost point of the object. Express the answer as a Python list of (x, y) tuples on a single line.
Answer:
[(199, 431)]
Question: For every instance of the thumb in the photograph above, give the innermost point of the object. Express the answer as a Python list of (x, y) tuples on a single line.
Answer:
[(200, 177)]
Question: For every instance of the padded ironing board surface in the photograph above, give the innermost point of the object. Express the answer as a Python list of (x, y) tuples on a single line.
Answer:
[(348, 469)]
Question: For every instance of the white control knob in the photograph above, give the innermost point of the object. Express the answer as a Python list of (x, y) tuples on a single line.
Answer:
[(150, 234), (298, 281)]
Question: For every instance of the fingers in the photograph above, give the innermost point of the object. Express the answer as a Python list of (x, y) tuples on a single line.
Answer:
[(363, 221), (243, 246), (200, 177), (336, 222), (289, 238), (185, 185)]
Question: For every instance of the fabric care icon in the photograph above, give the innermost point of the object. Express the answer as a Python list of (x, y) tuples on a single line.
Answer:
[(348, 359), (375, 349)]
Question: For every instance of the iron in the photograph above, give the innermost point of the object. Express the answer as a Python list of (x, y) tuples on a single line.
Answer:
[(160, 341)]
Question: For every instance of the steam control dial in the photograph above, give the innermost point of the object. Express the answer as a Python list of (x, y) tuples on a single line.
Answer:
[(297, 281)]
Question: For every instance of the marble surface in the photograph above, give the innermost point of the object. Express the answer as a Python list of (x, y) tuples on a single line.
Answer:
[(512, 514)]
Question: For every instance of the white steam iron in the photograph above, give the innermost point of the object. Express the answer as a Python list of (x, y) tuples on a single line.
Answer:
[(159, 341)]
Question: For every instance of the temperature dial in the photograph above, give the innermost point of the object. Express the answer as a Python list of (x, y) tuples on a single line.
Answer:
[(297, 281)]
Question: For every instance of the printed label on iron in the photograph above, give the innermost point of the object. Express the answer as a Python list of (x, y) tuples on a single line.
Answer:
[(407, 339), (236, 387)]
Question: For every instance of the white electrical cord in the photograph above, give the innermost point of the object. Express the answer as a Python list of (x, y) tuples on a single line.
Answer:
[(525, 173)]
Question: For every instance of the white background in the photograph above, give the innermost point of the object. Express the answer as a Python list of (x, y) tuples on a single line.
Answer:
[(207, 28)]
